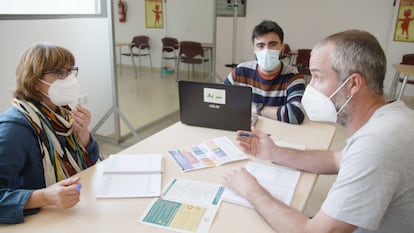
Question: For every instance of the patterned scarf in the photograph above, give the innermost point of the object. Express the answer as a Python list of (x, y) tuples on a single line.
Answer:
[(58, 162)]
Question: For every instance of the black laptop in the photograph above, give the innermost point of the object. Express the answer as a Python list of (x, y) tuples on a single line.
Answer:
[(214, 105)]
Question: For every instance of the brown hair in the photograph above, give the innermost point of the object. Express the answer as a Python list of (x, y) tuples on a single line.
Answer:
[(33, 62)]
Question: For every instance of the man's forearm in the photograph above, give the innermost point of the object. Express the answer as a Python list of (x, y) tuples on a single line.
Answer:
[(279, 216), (315, 161)]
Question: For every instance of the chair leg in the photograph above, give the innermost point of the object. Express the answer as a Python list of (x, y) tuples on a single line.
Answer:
[(178, 71), (135, 67), (188, 70), (162, 65), (140, 65), (150, 61)]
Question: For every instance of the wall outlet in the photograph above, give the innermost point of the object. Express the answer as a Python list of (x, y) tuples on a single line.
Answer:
[(83, 99)]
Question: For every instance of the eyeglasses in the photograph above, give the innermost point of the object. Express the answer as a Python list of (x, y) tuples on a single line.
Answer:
[(63, 73)]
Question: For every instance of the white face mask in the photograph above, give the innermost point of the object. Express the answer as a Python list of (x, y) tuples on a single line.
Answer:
[(268, 59), (319, 107), (63, 91)]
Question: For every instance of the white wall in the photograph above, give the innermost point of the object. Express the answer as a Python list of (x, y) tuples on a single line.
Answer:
[(306, 22), (87, 39)]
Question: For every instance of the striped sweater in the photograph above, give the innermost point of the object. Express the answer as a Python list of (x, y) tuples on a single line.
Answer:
[(285, 90)]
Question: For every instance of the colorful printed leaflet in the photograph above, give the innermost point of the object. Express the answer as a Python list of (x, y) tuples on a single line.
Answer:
[(186, 206), (211, 153)]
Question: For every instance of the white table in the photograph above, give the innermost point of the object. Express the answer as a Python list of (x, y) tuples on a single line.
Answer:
[(121, 215)]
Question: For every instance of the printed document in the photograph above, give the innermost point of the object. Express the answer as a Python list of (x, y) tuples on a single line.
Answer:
[(213, 152), (278, 181), (185, 206)]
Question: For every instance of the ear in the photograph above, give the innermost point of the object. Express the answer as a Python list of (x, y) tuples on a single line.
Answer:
[(355, 83), (282, 51)]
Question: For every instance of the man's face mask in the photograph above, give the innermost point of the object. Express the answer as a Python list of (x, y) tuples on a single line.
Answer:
[(319, 107), (268, 59)]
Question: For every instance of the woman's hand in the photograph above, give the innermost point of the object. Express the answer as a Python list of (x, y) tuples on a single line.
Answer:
[(82, 119), (64, 194)]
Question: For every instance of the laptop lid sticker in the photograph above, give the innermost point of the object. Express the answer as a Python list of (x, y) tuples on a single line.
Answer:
[(214, 96)]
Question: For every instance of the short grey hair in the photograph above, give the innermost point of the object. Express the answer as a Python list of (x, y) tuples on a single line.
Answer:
[(359, 52)]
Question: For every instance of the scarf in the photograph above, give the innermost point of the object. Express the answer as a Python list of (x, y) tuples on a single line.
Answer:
[(59, 162)]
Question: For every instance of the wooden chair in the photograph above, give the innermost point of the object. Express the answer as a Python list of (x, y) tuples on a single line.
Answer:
[(191, 53), (286, 55), (170, 47), (139, 47), (302, 63)]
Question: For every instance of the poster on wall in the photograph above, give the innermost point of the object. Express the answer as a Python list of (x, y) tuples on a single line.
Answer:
[(154, 14), (404, 30)]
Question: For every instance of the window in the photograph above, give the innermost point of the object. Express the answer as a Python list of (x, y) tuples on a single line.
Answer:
[(21, 9)]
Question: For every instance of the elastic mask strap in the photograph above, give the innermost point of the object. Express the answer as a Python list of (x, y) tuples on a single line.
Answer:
[(343, 105), (43, 81), (340, 87)]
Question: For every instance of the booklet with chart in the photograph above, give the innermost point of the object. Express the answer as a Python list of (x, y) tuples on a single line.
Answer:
[(131, 175), (211, 153), (278, 181), (185, 206)]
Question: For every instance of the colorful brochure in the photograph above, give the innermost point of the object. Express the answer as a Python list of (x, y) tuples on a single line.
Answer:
[(211, 153), (185, 206)]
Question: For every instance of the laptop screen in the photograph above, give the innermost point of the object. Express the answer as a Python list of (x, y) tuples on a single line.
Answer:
[(214, 105)]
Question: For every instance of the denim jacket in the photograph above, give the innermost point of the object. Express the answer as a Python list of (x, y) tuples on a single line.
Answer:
[(21, 166)]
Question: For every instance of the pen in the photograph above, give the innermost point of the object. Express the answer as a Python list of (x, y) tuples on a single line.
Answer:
[(78, 187), (249, 135)]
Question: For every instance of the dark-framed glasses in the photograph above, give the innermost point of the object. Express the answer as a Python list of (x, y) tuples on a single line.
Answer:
[(64, 72)]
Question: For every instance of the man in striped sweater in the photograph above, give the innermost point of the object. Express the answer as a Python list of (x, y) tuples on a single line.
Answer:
[(277, 87)]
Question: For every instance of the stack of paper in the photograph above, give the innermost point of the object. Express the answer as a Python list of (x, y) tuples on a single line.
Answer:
[(131, 175), (279, 182)]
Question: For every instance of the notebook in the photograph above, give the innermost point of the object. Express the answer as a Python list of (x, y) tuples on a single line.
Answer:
[(214, 105), (131, 176)]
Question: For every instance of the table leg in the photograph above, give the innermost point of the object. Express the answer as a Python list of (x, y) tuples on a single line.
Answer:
[(393, 88), (402, 87)]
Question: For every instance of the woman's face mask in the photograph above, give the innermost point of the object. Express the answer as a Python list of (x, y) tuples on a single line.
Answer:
[(63, 92), (319, 107), (268, 59)]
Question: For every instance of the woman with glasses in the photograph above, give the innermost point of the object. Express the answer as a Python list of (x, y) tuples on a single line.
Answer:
[(44, 136)]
